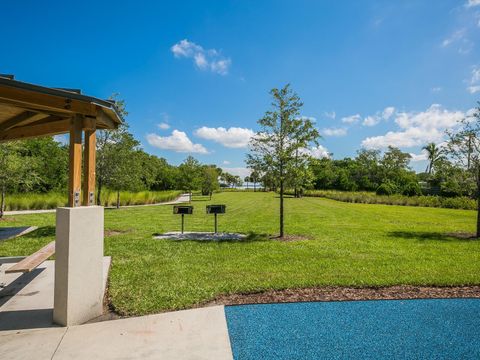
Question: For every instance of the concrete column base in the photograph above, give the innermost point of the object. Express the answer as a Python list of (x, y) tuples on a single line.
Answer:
[(78, 294)]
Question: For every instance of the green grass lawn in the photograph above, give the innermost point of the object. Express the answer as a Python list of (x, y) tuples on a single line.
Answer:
[(350, 245)]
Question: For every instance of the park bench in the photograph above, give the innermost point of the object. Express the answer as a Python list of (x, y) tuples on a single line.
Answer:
[(31, 262)]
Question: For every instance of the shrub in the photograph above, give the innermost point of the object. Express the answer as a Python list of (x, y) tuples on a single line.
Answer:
[(387, 188), (412, 189)]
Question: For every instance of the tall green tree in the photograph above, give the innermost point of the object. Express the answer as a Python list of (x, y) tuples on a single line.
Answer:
[(190, 175), (434, 153), (464, 148), (16, 173), (282, 134), (209, 180)]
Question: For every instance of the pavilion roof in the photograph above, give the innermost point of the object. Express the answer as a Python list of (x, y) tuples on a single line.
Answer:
[(28, 110)]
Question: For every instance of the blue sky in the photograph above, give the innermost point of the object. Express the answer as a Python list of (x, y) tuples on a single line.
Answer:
[(196, 75)]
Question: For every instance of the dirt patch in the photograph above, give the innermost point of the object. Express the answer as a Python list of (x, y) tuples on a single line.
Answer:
[(7, 219), (347, 294), (115, 232), (462, 235)]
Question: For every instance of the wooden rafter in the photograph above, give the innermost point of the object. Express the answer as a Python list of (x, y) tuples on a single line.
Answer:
[(17, 120), (46, 101), (33, 130)]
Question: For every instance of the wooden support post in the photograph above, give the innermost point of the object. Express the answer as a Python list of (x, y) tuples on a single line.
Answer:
[(75, 162), (89, 166)]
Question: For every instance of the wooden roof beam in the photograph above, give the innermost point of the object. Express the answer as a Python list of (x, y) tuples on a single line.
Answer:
[(47, 101), (47, 128), (17, 120)]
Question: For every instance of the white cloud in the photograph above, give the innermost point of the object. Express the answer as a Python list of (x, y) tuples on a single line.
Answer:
[(388, 112), (371, 121), (233, 137), (472, 3), (474, 81), (226, 162), (204, 59), (454, 37), (473, 89), (178, 142), (418, 157), (331, 115), (437, 89), (163, 126), (385, 114), (417, 129), (334, 131), (317, 152), (240, 171), (352, 119)]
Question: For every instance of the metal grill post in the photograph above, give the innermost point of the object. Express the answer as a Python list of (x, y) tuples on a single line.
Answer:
[(183, 219)]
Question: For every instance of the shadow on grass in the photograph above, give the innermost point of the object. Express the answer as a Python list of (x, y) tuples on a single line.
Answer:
[(44, 231), (434, 236)]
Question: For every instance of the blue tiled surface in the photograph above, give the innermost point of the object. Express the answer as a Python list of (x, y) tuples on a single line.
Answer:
[(386, 329)]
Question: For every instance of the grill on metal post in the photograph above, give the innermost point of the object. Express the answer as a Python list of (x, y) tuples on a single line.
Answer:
[(182, 210), (216, 209)]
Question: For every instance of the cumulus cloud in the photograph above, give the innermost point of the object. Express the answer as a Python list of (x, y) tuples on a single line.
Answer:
[(473, 89), (417, 128), (204, 59), (371, 120), (233, 137), (352, 119), (419, 157), (331, 115), (474, 82), (163, 126), (240, 171), (334, 131), (388, 112), (178, 142), (472, 3), (226, 162), (317, 152), (385, 114), (457, 35)]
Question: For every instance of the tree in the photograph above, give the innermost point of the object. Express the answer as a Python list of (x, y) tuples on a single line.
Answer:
[(254, 178), (16, 171), (434, 153), (464, 147), (209, 180), (189, 175), (283, 133), (107, 158), (125, 170)]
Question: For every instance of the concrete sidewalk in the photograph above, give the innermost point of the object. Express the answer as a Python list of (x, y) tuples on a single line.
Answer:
[(189, 334), (27, 332)]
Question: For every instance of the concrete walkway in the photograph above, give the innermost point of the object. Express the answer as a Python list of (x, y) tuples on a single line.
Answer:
[(27, 332), (188, 334), (181, 199)]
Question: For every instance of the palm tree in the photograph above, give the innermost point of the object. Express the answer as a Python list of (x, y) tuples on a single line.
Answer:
[(434, 153)]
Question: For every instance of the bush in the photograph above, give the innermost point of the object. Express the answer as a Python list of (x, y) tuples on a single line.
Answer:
[(412, 189), (53, 200), (387, 188), (364, 197)]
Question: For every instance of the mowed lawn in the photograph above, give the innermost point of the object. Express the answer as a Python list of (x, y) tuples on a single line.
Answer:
[(349, 245)]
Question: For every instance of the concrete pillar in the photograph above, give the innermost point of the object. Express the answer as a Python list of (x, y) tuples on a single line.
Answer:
[(78, 265)]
